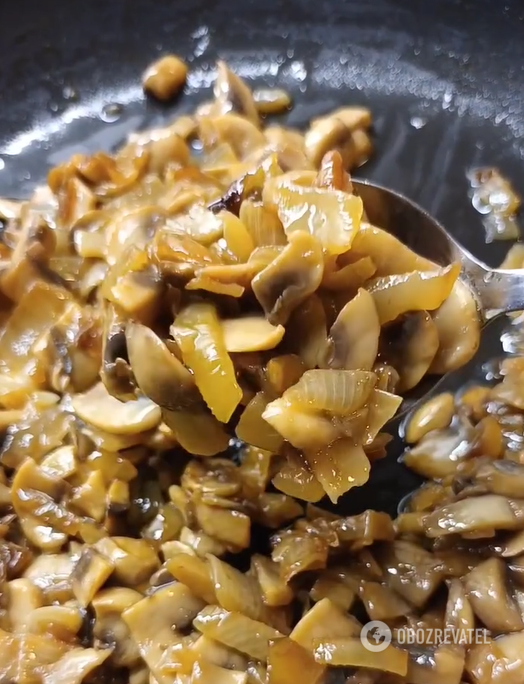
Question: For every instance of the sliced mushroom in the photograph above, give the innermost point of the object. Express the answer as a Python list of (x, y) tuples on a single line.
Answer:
[(410, 346), (115, 372), (271, 100), (165, 78), (206, 649), (440, 452), (89, 575), (459, 614), (290, 278), (352, 117), (155, 622), (412, 571), (328, 134), (61, 622), (501, 477), (24, 597), (232, 94), (353, 337), (458, 344), (134, 560), (487, 592), (250, 333), (99, 409), (290, 150), (158, 372), (230, 527), (110, 630), (435, 414), (381, 602), (480, 515), (35, 244), (242, 134)]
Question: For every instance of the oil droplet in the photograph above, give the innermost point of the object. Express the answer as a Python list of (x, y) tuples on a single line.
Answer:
[(111, 112), (69, 93), (446, 99), (290, 53), (418, 122), (196, 145), (53, 107), (298, 70), (202, 40)]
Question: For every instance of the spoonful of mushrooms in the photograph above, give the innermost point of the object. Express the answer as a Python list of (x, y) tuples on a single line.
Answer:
[(479, 295)]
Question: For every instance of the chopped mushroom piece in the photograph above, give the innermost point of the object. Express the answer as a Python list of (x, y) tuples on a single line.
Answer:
[(271, 100), (156, 621), (353, 337), (75, 666), (328, 134), (290, 278), (235, 304), (410, 346), (435, 414), (250, 334), (165, 77), (489, 598), (61, 622), (158, 372), (23, 598), (231, 93), (134, 560), (99, 409), (89, 575), (109, 630)]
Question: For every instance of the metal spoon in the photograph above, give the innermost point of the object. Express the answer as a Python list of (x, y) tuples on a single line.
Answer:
[(496, 291)]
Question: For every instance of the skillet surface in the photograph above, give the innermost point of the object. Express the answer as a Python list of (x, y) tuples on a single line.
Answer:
[(444, 79)]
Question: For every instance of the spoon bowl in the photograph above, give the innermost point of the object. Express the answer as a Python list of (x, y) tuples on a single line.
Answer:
[(495, 291)]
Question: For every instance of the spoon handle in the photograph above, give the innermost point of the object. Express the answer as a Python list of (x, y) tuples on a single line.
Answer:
[(498, 291)]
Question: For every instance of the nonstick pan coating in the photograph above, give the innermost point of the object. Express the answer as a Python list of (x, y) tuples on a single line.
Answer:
[(444, 79)]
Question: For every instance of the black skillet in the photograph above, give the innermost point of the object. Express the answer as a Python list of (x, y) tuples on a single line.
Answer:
[(444, 79)]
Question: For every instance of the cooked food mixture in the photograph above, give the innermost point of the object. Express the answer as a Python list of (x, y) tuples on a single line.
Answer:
[(201, 336)]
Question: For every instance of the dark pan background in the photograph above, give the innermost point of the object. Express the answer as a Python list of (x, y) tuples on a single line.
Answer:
[(444, 79)]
